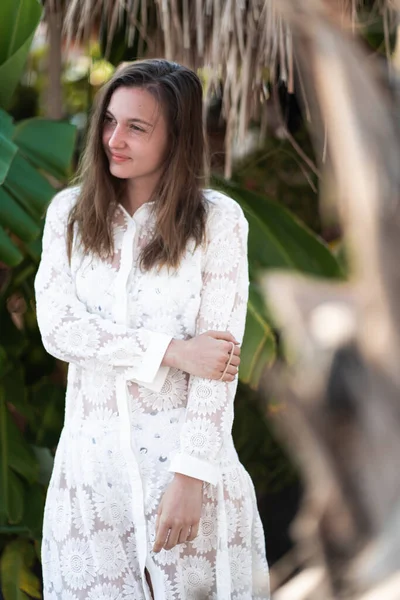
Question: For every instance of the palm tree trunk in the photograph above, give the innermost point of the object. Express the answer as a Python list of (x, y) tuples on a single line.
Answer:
[(54, 108)]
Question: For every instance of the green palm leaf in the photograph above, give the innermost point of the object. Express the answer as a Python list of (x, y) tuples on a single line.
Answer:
[(19, 20)]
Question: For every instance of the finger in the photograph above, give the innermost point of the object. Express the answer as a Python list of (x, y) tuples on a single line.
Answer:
[(229, 377), (226, 353), (237, 351), (193, 532), (222, 335), (235, 361), (184, 534), (228, 345), (162, 535), (232, 371), (224, 374), (173, 537), (158, 516)]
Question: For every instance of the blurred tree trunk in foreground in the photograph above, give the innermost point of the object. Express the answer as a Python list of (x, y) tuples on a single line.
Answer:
[(54, 108), (342, 390)]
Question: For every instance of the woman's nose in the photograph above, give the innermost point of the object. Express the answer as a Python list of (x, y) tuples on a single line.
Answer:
[(116, 140)]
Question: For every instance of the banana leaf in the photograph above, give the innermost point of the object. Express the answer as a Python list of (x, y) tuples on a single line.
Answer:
[(278, 239), (19, 20)]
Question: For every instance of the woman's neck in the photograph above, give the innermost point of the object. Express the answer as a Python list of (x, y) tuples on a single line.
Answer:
[(138, 192)]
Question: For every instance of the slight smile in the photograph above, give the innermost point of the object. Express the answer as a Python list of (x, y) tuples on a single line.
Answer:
[(119, 157)]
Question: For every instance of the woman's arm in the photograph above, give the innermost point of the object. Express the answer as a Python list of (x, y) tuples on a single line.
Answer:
[(69, 332), (209, 412)]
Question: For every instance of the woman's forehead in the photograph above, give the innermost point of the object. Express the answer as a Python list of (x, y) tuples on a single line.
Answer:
[(134, 103)]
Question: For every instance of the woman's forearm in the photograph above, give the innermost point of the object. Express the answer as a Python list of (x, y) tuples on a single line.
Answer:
[(206, 355), (173, 354)]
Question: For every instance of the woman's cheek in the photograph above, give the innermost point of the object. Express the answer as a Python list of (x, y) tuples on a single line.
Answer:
[(105, 139)]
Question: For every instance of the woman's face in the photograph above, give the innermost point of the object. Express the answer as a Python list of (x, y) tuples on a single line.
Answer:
[(135, 134)]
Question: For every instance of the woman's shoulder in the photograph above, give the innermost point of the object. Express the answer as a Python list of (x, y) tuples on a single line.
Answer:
[(217, 201), (62, 203), (223, 211), (59, 208)]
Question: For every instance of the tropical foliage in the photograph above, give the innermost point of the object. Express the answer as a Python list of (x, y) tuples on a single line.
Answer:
[(31, 152)]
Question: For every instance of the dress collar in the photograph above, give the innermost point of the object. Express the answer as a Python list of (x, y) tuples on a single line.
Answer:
[(140, 215)]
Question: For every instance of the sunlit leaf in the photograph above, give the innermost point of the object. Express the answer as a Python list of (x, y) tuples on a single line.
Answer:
[(19, 20), (259, 344), (18, 582)]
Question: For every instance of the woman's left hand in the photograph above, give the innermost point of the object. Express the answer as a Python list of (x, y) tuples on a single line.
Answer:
[(179, 512)]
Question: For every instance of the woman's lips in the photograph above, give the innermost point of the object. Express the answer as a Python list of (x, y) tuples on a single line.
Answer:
[(119, 158)]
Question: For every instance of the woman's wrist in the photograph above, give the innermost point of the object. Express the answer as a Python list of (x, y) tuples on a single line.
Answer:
[(173, 354)]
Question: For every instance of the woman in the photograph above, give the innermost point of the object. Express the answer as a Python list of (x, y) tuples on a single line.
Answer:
[(142, 288)]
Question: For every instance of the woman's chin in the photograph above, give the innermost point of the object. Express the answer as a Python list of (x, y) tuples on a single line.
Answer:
[(119, 171)]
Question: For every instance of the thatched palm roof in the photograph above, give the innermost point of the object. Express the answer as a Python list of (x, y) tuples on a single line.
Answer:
[(243, 43)]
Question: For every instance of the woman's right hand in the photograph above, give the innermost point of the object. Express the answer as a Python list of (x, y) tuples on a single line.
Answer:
[(205, 355)]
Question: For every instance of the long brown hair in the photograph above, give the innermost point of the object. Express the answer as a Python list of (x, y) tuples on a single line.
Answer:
[(180, 208)]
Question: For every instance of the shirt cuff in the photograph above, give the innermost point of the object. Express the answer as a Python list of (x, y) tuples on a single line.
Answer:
[(157, 383), (150, 371), (194, 467)]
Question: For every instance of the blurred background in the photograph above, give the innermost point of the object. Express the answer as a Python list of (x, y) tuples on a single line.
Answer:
[(274, 100)]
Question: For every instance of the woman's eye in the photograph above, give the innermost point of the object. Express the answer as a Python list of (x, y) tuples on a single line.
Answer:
[(136, 128), (108, 120)]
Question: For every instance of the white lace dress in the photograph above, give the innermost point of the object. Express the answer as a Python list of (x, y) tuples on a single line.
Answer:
[(131, 423)]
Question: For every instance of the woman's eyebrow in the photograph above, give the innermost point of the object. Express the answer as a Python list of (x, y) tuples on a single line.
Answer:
[(134, 120)]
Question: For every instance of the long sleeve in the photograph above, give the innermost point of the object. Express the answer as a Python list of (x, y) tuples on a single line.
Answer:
[(73, 334), (209, 413)]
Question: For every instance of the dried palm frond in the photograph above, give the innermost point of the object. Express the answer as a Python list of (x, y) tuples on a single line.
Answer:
[(241, 43)]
